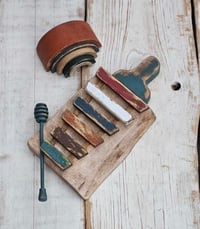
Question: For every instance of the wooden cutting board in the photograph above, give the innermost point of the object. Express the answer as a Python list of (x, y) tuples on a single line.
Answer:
[(87, 173)]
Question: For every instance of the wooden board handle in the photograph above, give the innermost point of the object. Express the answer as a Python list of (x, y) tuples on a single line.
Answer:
[(137, 79)]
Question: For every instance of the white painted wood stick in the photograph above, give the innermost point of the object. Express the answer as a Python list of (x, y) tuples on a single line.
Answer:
[(114, 108)]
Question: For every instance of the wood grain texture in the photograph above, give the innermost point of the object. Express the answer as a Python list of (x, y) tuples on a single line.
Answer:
[(52, 91), (23, 84), (157, 186), (69, 143), (79, 126), (16, 178)]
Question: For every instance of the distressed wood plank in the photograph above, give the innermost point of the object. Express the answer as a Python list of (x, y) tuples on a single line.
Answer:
[(69, 143), (54, 91), (17, 23), (55, 155), (90, 135), (161, 172), (95, 116), (121, 90), (155, 177)]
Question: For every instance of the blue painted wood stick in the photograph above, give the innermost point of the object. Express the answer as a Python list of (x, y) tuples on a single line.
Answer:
[(95, 116)]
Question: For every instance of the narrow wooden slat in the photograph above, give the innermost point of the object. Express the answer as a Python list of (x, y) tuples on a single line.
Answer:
[(91, 136), (157, 186), (55, 155), (118, 111), (121, 90), (54, 92), (95, 116), (17, 25), (70, 144)]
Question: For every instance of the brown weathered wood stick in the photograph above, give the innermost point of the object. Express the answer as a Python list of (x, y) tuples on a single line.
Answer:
[(90, 135), (69, 143)]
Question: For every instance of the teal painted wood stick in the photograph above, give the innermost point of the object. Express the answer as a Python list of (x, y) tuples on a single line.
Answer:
[(55, 155), (41, 116), (137, 80)]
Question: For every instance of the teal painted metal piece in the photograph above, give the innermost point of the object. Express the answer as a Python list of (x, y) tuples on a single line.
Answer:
[(137, 79), (55, 155), (41, 116)]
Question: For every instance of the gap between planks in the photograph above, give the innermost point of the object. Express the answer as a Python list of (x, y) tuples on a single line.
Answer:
[(195, 6), (87, 214)]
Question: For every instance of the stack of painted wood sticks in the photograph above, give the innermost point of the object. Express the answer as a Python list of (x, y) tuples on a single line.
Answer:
[(148, 70)]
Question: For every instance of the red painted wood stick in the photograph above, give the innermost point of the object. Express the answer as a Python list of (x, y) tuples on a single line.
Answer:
[(121, 90)]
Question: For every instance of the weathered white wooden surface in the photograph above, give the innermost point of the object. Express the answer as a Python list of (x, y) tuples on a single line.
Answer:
[(157, 185), (23, 83)]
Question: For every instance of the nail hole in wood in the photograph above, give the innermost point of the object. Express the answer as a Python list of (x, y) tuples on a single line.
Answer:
[(176, 86)]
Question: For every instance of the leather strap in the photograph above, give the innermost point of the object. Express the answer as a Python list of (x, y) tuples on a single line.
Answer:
[(64, 37)]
